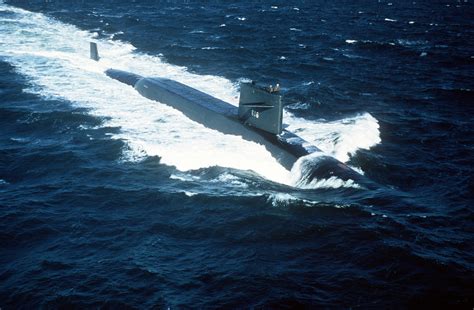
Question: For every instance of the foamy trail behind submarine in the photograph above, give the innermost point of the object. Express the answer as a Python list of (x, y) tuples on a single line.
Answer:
[(258, 118)]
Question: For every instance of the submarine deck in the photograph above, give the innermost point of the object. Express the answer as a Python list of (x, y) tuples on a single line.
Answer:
[(196, 96)]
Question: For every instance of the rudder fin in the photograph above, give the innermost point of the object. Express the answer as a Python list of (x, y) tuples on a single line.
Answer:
[(94, 51)]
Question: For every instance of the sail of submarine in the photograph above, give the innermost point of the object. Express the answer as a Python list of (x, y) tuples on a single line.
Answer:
[(258, 117)]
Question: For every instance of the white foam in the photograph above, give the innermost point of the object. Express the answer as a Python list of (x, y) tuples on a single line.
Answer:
[(55, 58), (332, 182), (227, 178), (286, 200), (351, 41), (190, 194), (357, 169), (409, 43), (340, 138), (298, 106), (184, 177), (280, 199)]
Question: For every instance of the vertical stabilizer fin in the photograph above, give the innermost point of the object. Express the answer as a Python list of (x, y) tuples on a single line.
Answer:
[(94, 51), (261, 107)]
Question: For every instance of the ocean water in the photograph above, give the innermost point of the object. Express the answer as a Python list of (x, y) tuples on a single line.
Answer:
[(108, 199)]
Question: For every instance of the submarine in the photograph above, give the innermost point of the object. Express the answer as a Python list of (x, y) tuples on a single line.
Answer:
[(258, 118)]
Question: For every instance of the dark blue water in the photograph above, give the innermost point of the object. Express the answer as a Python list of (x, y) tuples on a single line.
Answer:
[(108, 200)]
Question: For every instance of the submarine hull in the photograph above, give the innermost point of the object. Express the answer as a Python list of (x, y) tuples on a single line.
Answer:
[(285, 147), (214, 114)]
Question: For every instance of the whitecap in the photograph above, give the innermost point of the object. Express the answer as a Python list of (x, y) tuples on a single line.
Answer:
[(228, 178), (184, 177), (286, 200), (298, 106), (332, 182), (357, 169), (280, 199), (351, 56)]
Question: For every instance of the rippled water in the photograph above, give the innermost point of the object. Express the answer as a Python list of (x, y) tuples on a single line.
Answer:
[(109, 199)]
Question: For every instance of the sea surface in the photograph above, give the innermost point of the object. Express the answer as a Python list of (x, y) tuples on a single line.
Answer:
[(108, 199)]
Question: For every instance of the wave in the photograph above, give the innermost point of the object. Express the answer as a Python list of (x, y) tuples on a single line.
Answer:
[(340, 138)]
